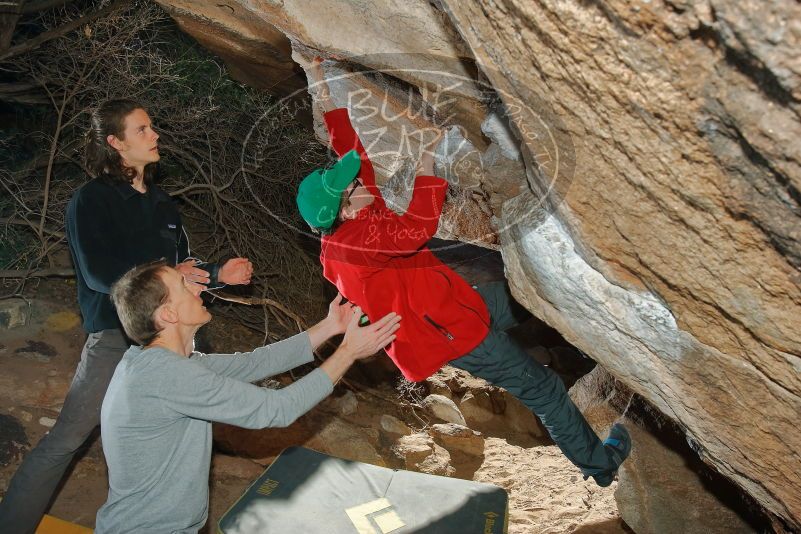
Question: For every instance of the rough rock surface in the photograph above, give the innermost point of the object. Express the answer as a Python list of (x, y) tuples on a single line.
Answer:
[(13, 313), (394, 426), (443, 408), (256, 52), (486, 408), (679, 224), (661, 137), (546, 492), (458, 438), (419, 453), (662, 486)]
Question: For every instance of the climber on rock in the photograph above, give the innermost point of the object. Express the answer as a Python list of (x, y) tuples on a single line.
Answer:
[(379, 260)]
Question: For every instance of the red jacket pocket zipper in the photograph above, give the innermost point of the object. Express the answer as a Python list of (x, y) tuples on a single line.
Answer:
[(439, 327)]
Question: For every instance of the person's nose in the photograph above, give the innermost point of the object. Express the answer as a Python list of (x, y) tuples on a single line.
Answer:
[(155, 135)]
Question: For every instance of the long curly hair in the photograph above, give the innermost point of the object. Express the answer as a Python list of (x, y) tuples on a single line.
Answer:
[(101, 159)]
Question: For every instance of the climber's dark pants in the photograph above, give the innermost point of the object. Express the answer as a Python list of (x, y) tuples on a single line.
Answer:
[(36, 480), (502, 362)]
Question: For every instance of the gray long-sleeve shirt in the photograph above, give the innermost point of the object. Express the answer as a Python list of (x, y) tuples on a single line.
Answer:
[(156, 429)]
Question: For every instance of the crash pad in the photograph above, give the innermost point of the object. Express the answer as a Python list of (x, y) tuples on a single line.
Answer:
[(313, 493)]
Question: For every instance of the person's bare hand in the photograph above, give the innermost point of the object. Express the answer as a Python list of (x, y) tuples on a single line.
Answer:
[(363, 341), (316, 69), (339, 315), (432, 146), (426, 165), (193, 275), (236, 271)]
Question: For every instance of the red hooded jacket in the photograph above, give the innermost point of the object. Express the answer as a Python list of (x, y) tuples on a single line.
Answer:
[(380, 262)]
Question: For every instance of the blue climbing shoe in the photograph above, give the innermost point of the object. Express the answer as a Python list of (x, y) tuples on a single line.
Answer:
[(618, 447)]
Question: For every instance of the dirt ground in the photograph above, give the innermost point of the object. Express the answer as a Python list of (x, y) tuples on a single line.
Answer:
[(38, 360)]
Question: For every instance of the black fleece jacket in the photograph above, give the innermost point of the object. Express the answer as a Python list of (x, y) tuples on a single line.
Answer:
[(111, 228)]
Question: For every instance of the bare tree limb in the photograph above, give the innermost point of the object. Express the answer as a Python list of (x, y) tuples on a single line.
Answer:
[(36, 42), (23, 222), (9, 15), (37, 6), (220, 144), (22, 93), (256, 301), (41, 273), (50, 160)]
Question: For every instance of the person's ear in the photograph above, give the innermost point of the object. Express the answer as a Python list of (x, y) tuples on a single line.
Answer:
[(165, 315), (115, 143), (344, 211)]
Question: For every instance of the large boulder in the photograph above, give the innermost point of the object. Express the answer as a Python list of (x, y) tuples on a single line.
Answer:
[(256, 52), (458, 438), (418, 452), (443, 408), (663, 486), (669, 250), (486, 408), (655, 155)]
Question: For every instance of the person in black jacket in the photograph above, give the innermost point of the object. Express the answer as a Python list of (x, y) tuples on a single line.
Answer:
[(116, 221)]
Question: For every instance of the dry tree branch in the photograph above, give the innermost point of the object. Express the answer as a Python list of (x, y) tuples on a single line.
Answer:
[(251, 301), (49, 172), (37, 6), (233, 173), (25, 222), (35, 42), (40, 273)]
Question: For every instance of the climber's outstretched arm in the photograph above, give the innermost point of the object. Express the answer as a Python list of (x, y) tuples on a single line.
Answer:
[(318, 83)]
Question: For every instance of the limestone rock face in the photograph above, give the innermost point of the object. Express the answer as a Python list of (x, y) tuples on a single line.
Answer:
[(662, 486), (419, 453), (486, 408), (256, 52), (459, 438), (347, 441), (653, 150), (394, 426), (677, 265), (443, 408)]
